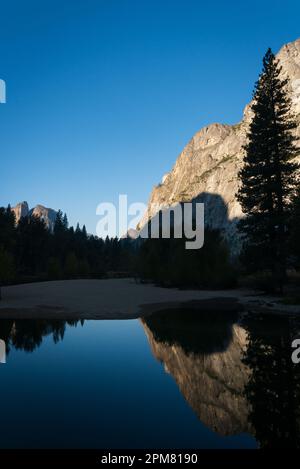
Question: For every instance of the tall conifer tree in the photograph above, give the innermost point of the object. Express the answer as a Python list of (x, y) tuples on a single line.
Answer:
[(268, 177)]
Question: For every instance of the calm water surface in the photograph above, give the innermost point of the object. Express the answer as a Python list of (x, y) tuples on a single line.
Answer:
[(174, 380)]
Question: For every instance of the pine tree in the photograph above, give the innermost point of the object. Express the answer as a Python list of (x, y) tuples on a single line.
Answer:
[(59, 223), (84, 233), (78, 230), (71, 265), (65, 222), (268, 176), (7, 270), (295, 229)]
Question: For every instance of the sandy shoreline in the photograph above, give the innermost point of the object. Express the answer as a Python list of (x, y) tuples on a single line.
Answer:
[(122, 299)]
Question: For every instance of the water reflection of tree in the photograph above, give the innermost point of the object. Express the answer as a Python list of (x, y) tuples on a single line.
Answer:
[(28, 334), (273, 389)]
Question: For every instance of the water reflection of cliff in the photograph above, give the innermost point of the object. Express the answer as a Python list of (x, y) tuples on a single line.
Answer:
[(205, 359), (236, 377)]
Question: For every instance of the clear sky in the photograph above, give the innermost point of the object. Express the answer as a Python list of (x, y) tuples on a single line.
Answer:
[(102, 95)]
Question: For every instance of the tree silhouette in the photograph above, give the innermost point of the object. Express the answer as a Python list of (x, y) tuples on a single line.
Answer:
[(38, 253), (268, 174), (295, 229), (32, 244), (7, 269), (7, 245), (60, 223), (273, 389), (28, 334)]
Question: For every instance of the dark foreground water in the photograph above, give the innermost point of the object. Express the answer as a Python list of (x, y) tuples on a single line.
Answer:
[(176, 380)]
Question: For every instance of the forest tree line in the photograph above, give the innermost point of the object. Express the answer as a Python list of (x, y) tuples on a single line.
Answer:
[(30, 251)]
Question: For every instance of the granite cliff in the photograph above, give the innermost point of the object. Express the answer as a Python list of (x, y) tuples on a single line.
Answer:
[(207, 169)]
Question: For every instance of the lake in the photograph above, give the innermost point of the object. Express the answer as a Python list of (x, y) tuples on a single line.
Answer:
[(176, 379)]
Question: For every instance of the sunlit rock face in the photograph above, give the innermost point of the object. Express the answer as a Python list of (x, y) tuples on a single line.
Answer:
[(289, 57), (20, 210), (212, 383), (48, 215), (210, 162)]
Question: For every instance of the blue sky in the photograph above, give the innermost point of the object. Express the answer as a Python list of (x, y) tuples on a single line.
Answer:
[(102, 96)]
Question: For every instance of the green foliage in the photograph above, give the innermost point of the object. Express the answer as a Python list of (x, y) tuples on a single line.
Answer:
[(64, 253), (7, 269), (268, 175), (263, 281), (7, 228), (32, 240), (71, 265), (84, 268), (295, 229), (7, 246), (167, 262), (61, 223), (54, 270)]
